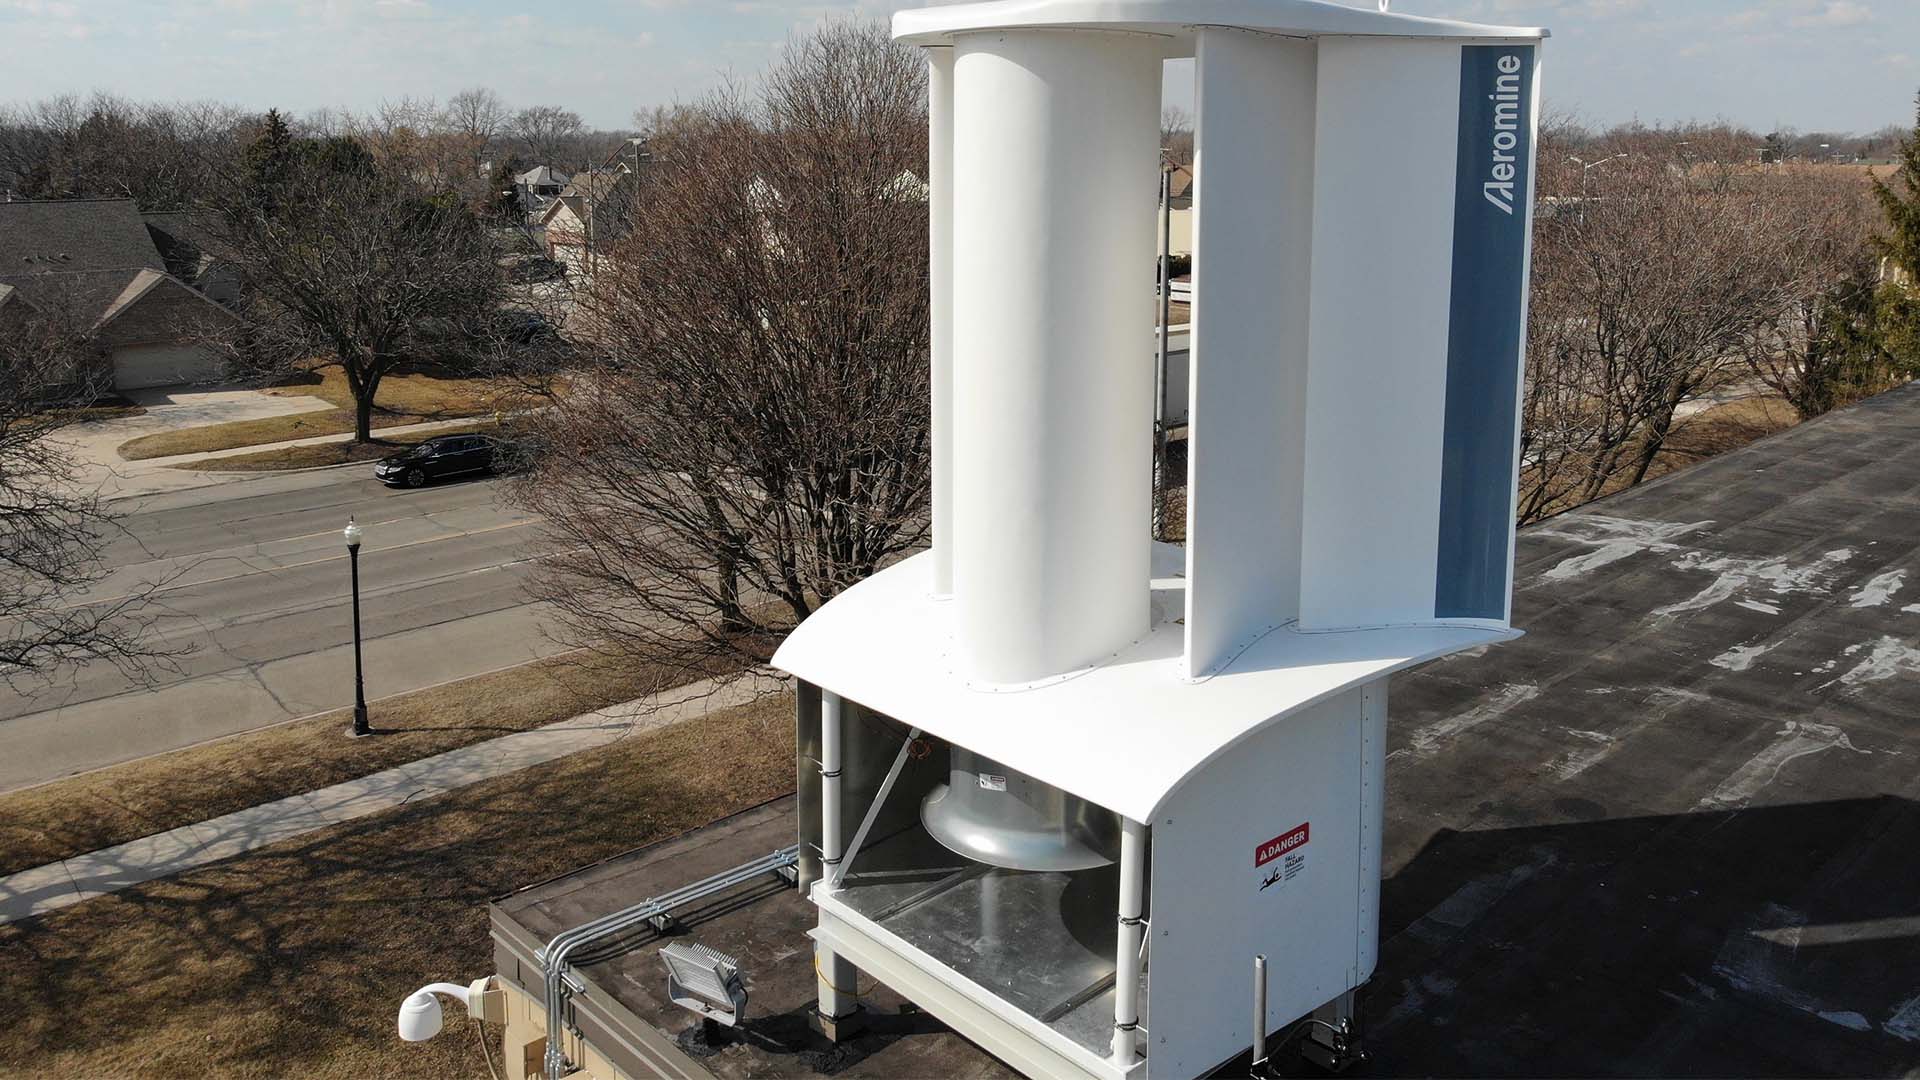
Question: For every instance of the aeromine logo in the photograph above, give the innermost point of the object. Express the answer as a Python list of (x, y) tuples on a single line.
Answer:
[(1506, 133)]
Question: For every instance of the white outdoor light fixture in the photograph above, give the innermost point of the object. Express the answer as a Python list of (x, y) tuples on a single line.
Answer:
[(705, 983), (420, 1014), (1154, 756)]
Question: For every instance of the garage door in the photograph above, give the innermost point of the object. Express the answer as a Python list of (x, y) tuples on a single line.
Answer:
[(136, 366)]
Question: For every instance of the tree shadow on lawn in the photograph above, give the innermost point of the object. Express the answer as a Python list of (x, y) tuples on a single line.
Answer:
[(293, 958)]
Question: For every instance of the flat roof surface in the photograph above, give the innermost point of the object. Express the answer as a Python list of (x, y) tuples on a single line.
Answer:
[(1674, 830), (764, 926)]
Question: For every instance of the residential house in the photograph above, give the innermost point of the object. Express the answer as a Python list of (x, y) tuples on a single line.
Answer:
[(132, 281), (540, 185), (587, 216)]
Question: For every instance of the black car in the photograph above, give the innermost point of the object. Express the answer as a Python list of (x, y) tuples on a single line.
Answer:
[(440, 456)]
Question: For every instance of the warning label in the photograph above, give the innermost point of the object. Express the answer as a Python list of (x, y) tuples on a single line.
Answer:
[(1283, 858)]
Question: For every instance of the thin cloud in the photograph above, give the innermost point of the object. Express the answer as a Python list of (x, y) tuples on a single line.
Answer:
[(1835, 13)]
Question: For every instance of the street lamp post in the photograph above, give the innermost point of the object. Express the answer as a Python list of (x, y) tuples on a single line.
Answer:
[(360, 726), (1588, 166)]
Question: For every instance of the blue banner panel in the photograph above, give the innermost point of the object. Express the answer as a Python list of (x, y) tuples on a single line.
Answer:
[(1485, 330)]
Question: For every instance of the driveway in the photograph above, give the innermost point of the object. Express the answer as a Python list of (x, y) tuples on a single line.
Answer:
[(95, 445)]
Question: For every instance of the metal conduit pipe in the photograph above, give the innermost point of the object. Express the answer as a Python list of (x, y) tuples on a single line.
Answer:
[(553, 958)]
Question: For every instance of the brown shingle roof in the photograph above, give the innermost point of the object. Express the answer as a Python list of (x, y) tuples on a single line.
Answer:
[(67, 235), (156, 307)]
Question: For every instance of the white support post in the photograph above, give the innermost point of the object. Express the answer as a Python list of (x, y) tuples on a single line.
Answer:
[(1126, 970), (836, 975), (831, 707)]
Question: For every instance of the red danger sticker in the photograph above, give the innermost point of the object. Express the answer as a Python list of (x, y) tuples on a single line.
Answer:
[(1280, 845)]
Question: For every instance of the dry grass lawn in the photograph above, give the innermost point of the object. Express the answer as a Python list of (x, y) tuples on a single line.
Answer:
[(125, 802), (291, 960), (112, 409), (325, 454), (95, 413), (1723, 428), (411, 397)]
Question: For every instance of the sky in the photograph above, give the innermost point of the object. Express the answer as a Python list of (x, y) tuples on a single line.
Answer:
[(1833, 65)]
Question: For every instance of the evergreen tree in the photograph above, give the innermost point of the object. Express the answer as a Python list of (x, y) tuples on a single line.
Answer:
[(503, 198), (268, 159), (1899, 245)]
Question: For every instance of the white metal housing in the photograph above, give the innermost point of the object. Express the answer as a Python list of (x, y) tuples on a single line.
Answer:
[(1362, 203)]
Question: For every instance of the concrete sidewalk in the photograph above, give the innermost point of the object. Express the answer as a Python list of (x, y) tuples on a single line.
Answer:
[(69, 881)]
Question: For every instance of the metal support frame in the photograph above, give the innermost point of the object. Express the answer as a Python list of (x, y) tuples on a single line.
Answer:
[(1126, 965), (1333, 1034), (560, 985)]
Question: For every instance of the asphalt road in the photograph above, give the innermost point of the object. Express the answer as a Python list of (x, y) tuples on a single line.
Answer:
[(254, 588)]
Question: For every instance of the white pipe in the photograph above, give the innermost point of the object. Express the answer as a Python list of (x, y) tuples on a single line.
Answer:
[(1259, 1009), (940, 312), (835, 977), (830, 846), (1126, 973)]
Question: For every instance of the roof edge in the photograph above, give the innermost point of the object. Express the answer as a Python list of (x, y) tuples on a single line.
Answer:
[(1178, 18)]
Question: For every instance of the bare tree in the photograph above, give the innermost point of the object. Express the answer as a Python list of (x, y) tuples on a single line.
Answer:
[(1656, 279), (105, 146), (414, 138), (52, 530), (477, 114), (1176, 134), (545, 130), (756, 437), (350, 264)]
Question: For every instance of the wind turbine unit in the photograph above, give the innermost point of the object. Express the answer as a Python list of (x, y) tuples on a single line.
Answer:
[(1061, 785)]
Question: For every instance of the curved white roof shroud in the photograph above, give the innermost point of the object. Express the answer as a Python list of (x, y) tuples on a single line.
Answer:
[(1125, 733), (1178, 19)]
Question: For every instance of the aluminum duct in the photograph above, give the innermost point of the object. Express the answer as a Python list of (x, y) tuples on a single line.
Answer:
[(992, 814)]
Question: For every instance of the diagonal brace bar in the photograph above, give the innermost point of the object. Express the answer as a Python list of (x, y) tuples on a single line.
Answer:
[(873, 811)]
